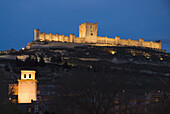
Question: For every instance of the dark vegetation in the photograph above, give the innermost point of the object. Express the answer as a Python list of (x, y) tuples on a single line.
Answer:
[(87, 86)]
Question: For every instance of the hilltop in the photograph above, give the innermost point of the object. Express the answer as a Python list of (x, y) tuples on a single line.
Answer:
[(145, 63), (66, 71)]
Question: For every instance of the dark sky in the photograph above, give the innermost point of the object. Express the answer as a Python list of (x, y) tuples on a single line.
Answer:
[(148, 19)]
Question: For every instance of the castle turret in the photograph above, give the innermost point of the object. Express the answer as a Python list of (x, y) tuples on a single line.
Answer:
[(159, 44), (43, 36), (129, 41), (117, 39), (151, 44), (50, 37), (57, 37), (141, 41), (62, 38), (72, 37), (36, 34)]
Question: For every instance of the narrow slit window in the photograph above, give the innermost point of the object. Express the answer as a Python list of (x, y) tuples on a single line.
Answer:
[(29, 75)]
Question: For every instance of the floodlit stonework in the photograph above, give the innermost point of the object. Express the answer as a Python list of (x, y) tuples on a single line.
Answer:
[(27, 87), (88, 34)]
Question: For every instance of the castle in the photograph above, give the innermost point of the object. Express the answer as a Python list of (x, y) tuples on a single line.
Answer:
[(88, 35)]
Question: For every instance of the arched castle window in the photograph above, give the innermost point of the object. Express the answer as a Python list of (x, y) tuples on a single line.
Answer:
[(24, 75)]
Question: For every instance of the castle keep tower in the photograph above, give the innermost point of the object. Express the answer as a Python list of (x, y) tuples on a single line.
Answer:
[(88, 31), (27, 87), (36, 34)]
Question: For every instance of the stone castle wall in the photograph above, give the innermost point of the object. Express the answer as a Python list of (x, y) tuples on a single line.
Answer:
[(52, 37), (88, 34), (129, 42)]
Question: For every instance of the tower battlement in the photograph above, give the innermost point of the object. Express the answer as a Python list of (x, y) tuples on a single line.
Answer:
[(88, 34)]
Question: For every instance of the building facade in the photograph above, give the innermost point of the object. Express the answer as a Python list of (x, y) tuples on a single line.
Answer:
[(88, 34), (27, 87)]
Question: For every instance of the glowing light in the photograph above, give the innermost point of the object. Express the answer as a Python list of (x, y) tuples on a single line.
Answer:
[(23, 48), (161, 59), (14, 101), (116, 102), (13, 89), (112, 52), (156, 100), (123, 91), (148, 57), (9, 98)]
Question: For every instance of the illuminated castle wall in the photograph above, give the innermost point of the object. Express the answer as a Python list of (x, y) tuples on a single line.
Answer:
[(88, 34), (27, 87)]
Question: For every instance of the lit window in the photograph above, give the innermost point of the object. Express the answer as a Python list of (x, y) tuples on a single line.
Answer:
[(161, 59), (24, 75), (112, 52), (29, 75)]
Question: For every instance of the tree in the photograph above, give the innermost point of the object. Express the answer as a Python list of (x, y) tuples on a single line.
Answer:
[(93, 93), (28, 61), (41, 62), (12, 50), (65, 65)]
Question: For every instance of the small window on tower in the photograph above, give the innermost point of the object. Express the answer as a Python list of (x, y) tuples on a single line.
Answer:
[(24, 75), (90, 26), (29, 75), (91, 34)]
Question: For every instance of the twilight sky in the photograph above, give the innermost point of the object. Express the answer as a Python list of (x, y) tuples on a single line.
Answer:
[(148, 19)]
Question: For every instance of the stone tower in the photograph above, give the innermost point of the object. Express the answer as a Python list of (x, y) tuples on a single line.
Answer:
[(27, 87), (88, 31), (36, 34)]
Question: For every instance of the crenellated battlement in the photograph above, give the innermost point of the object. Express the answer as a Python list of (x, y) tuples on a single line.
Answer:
[(88, 34), (38, 36)]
